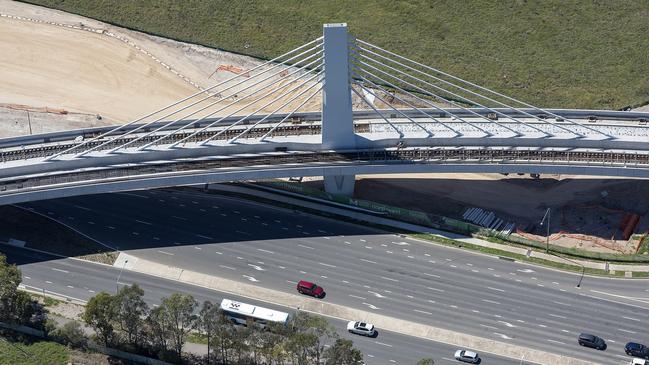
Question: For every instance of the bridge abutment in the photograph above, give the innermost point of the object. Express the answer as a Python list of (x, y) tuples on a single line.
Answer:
[(339, 184)]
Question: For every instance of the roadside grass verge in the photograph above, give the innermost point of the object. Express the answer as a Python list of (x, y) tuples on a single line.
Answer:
[(554, 53), (35, 353)]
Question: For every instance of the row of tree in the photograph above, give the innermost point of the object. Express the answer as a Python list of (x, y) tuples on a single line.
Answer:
[(125, 320)]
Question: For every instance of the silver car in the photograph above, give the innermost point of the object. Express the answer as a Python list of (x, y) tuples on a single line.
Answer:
[(467, 356), (361, 328)]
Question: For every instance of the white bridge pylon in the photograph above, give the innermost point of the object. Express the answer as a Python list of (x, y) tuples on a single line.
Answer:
[(332, 75)]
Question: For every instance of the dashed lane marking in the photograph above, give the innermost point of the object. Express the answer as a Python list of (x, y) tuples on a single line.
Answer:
[(496, 289), (382, 344), (555, 341), (144, 222), (166, 253), (490, 301), (368, 261), (227, 267), (357, 297), (266, 251), (308, 247), (389, 279), (177, 217), (327, 265), (422, 312), (60, 270)]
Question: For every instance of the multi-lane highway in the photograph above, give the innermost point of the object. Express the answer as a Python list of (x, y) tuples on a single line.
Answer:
[(366, 269), (81, 280)]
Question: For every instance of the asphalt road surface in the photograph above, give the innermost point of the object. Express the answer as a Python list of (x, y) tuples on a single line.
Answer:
[(363, 268), (81, 280)]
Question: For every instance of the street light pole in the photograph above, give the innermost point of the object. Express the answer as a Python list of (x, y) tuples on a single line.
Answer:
[(547, 236), (120, 275)]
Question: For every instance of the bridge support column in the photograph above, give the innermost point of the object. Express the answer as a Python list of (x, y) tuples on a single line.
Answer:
[(339, 184), (337, 116)]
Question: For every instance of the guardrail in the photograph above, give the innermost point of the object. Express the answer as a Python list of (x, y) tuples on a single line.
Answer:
[(415, 156)]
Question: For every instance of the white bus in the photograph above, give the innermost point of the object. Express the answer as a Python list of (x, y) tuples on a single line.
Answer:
[(240, 313)]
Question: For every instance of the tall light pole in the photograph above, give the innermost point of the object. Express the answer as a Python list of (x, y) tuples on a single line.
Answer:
[(547, 236), (120, 275)]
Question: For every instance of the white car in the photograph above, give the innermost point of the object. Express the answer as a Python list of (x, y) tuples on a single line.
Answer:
[(361, 328), (467, 356), (637, 361)]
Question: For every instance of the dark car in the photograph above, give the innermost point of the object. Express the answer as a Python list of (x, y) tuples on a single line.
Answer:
[(309, 288), (592, 341), (637, 350)]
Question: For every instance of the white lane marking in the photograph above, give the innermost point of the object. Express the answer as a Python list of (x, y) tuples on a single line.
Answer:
[(90, 290), (177, 217), (26, 277), (110, 227), (297, 225), (303, 246), (136, 233), (366, 286), (469, 264), (376, 294), (251, 278), (202, 210), (368, 355), (197, 248), (368, 261), (453, 266), (91, 222), (321, 231), (166, 253), (236, 212), (362, 240), (70, 286), (496, 275), (453, 306), (427, 254), (305, 232), (641, 300), (432, 275), (566, 304), (475, 311), (59, 270), (496, 289), (411, 257), (498, 316), (490, 269), (565, 331), (405, 250), (282, 267), (555, 283), (327, 265), (632, 319), (401, 243), (507, 324), (347, 242), (291, 282), (371, 306), (410, 297), (388, 251), (559, 342), (431, 301), (244, 233), (431, 261), (218, 253), (258, 268), (422, 312), (266, 251), (543, 326), (525, 270), (540, 285), (257, 217), (504, 337), (156, 238), (490, 301), (490, 327), (382, 344), (556, 316), (227, 267), (84, 208), (520, 321), (345, 281), (435, 289), (144, 222), (389, 279), (47, 281), (474, 270), (357, 297), (202, 236), (368, 247), (627, 331)]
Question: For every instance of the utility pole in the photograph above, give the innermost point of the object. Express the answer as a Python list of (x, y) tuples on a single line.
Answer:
[(547, 235), (120, 275)]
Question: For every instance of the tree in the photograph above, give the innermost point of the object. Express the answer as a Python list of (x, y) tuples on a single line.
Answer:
[(71, 334), (11, 299), (344, 353), (178, 310), (426, 361), (224, 337), (157, 329), (310, 333), (131, 310), (100, 314), (208, 323)]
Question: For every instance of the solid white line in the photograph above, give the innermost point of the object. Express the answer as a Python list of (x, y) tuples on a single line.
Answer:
[(303, 246), (382, 344), (227, 267), (356, 296), (166, 253), (262, 250), (568, 305), (327, 265), (206, 237), (84, 208), (559, 342), (556, 316), (368, 261), (59, 270), (435, 289), (432, 275), (490, 327), (632, 319), (627, 331), (143, 222)]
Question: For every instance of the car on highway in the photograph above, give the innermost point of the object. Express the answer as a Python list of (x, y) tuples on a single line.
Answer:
[(361, 328), (637, 361), (592, 341), (309, 288), (467, 356), (637, 350)]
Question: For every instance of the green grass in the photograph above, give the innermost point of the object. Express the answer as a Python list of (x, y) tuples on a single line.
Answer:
[(559, 53), (37, 353), (197, 338), (644, 245)]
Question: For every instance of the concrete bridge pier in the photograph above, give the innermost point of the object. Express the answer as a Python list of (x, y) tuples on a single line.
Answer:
[(337, 117)]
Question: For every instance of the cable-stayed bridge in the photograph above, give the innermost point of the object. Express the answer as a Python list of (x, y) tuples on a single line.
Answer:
[(334, 107)]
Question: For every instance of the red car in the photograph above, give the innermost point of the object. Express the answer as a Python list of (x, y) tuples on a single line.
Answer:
[(308, 288)]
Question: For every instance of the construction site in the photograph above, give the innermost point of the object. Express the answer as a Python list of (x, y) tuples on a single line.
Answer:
[(85, 73)]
